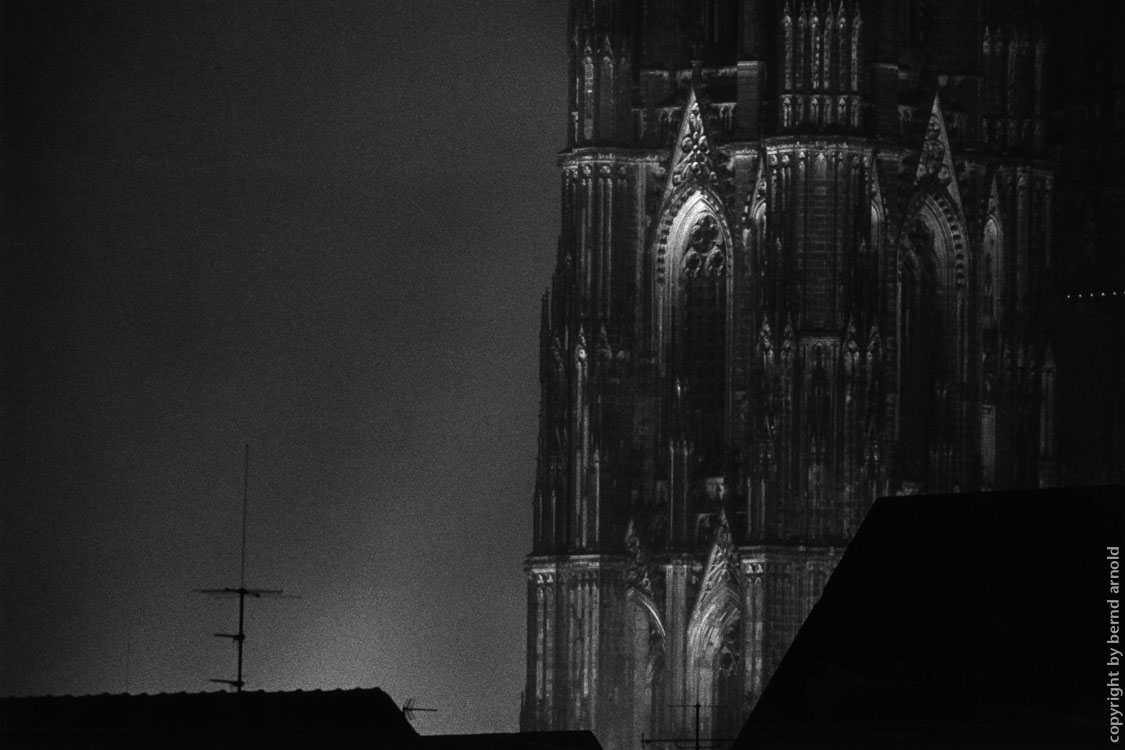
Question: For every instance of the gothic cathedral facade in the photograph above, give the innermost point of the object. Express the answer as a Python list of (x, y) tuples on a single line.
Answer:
[(808, 258)]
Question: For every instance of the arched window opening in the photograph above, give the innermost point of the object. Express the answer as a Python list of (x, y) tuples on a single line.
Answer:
[(876, 244), (820, 283), (717, 662), (700, 340), (991, 306), (648, 669), (728, 691), (757, 244), (588, 98), (991, 285), (923, 365), (819, 427)]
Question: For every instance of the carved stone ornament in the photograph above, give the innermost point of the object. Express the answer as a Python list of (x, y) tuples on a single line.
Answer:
[(694, 161), (705, 255), (722, 563), (851, 349), (788, 340), (637, 575), (604, 349), (993, 210), (765, 342), (757, 196), (933, 153), (936, 160), (874, 346), (557, 352)]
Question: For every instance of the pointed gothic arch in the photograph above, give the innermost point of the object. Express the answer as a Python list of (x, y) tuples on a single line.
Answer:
[(932, 345), (992, 299), (586, 109), (694, 318), (716, 666), (647, 643), (875, 246), (755, 224), (992, 270), (716, 660), (755, 242)]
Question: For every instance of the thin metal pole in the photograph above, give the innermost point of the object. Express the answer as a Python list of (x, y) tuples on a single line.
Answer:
[(697, 707), (242, 568), (245, 492), (242, 592), (241, 637)]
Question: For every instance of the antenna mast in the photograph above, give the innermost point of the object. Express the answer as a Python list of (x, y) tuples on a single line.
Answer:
[(241, 592), (684, 743), (409, 708)]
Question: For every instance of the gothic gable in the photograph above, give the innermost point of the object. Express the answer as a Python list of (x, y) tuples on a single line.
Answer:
[(692, 157), (698, 175), (756, 198), (714, 635), (640, 590), (721, 575), (935, 165), (875, 190), (993, 211)]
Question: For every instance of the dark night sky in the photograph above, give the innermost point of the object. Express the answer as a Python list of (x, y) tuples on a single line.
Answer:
[(320, 228)]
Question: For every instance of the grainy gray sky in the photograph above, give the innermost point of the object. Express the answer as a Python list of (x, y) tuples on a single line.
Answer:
[(320, 228)]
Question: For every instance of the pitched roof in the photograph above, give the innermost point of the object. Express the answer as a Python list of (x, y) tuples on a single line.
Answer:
[(335, 718), (957, 621), (338, 719)]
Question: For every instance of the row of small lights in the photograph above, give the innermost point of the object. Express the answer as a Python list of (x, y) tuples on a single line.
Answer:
[(1092, 295)]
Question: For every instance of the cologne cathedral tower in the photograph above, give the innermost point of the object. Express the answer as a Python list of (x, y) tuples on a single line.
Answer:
[(812, 253)]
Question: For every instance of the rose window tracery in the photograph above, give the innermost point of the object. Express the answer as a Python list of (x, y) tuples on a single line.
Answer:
[(705, 254), (730, 652)]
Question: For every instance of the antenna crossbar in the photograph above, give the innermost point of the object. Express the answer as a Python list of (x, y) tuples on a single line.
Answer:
[(698, 743), (256, 593), (241, 591), (408, 709)]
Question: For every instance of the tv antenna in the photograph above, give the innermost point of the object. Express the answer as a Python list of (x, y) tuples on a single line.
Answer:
[(682, 743), (241, 592), (409, 708)]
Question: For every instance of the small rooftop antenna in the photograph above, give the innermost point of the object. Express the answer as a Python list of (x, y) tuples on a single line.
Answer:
[(241, 592), (409, 708), (684, 743)]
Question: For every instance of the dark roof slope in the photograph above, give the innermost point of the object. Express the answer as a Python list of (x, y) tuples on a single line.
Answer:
[(361, 718), (957, 621), (310, 719)]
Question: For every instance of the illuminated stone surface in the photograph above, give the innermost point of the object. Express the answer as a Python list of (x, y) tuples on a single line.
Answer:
[(805, 261)]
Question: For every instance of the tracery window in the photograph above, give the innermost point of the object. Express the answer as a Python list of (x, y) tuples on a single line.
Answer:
[(924, 370), (701, 345), (730, 652), (728, 693), (588, 102)]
